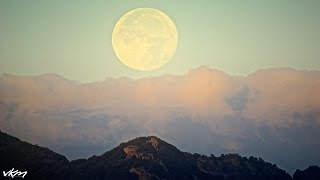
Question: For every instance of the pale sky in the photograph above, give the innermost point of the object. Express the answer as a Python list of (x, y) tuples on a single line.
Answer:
[(73, 38)]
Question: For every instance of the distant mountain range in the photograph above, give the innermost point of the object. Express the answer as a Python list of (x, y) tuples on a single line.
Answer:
[(142, 158)]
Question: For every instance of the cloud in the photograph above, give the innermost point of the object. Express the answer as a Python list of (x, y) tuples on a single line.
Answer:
[(205, 111), (238, 102)]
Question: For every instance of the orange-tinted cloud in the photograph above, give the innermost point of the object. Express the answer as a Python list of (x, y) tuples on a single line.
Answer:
[(272, 107)]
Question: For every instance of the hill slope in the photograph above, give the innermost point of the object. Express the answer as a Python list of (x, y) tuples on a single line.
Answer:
[(140, 158), (311, 173), (153, 158), (39, 162)]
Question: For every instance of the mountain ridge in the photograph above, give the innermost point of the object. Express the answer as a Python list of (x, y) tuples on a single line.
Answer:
[(57, 76), (140, 158)]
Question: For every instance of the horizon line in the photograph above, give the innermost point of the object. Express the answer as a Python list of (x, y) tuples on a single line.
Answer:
[(202, 67)]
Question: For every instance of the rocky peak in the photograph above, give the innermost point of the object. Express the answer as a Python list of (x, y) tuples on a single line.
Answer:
[(130, 150), (141, 158), (154, 142), (134, 151)]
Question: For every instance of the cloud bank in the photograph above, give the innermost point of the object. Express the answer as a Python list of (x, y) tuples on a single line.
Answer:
[(272, 113)]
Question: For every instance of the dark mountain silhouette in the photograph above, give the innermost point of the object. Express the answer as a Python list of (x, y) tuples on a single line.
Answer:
[(311, 173), (140, 158), (39, 162)]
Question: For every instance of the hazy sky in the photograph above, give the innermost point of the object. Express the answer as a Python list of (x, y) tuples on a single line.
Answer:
[(73, 38)]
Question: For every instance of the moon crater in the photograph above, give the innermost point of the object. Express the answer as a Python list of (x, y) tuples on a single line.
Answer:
[(145, 39)]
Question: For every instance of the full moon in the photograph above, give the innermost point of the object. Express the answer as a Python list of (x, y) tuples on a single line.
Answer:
[(145, 39)]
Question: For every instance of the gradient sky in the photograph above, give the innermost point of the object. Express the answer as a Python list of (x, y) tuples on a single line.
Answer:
[(73, 38)]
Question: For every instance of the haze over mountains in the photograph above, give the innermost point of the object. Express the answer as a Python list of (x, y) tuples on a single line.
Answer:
[(272, 113), (141, 158)]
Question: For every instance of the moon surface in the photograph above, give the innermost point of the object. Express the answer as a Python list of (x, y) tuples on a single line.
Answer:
[(145, 39)]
